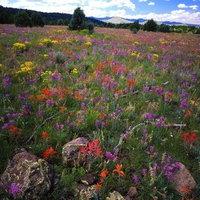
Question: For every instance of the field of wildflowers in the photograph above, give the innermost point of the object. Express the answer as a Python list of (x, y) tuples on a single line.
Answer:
[(135, 97)]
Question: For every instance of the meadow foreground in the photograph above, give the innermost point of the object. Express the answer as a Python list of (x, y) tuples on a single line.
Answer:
[(135, 98)]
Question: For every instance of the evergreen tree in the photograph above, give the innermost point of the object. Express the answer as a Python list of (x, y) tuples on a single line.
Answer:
[(22, 19), (77, 19), (60, 22), (164, 28), (150, 25), (37, 19), (88, 25), (6, 17), (135, 25)]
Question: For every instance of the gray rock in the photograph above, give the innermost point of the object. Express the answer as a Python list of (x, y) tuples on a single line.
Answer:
[(27, 177), (183, 179), (70, 151)]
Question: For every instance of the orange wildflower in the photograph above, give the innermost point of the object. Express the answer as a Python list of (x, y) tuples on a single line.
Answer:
[(61, 95), (40, 97), (187, 113), (63, 108), (131, 83), (31, 96), (45, 135), (104, 173), (118, 170), (185, 189), (97, 186), (14, 130), (48, 153)]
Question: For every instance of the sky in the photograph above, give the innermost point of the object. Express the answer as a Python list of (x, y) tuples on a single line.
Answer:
[(185, 11)]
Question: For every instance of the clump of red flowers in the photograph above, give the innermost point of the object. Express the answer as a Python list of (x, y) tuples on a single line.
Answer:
[(48, 153), (189, 138), (92, 149)]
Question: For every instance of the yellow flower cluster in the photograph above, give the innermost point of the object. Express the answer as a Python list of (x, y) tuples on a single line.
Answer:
[(163, 41), (26, 67), (192, 102), (155, 57), (88, 44), (48, 42), (135, 54), (19, 46), (136, 43), (75, 71), (45, 75)]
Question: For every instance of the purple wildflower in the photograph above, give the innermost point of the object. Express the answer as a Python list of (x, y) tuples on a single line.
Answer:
[(135, 179), (110, 156), (14, 189), (144, 171), (59, 127)]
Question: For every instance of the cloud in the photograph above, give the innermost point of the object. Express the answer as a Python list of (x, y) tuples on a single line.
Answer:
[(151, 3), (175, 15), (182, 5), (142, 1), (194, 7)]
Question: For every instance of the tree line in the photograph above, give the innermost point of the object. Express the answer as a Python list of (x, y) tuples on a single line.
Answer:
[(25, 18)]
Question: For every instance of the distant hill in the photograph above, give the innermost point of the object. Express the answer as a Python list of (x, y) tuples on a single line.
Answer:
[(49, 17), (119, 20)]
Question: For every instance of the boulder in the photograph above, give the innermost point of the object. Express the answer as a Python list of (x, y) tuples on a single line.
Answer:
[(85, 192), (27, 177), (132, 192), (182, 181), (70, 151), (115, 196)]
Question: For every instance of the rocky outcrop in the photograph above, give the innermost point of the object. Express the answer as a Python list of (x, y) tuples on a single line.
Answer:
[(70, 151), (27, 177), (182, 181)]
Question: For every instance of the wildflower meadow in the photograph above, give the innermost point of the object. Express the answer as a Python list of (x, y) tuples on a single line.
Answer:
[(135, 97)]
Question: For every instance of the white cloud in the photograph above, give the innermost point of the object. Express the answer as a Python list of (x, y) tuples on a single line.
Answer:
[(116, 13), (102, 8), (151, 3), (142, 1), (182, 5), (175, 15), (194, 7)]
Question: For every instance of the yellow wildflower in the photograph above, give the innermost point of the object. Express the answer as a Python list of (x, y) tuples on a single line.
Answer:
[(19, 46), (192, 102), (75, 71), (88, 44)]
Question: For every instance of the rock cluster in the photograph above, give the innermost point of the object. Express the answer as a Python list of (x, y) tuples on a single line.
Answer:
[(30, 177)]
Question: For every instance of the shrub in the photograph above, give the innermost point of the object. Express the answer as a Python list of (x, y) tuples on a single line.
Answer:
[(88, 25), (164, 28), (59, 57), (150, 25), (22, 19), (37, 20), (77, 19), (135, 27), (134, 30)]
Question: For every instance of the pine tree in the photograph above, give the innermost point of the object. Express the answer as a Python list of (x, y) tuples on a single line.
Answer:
[(150, 25), (77, 19), (37, 19), (22, 19)]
